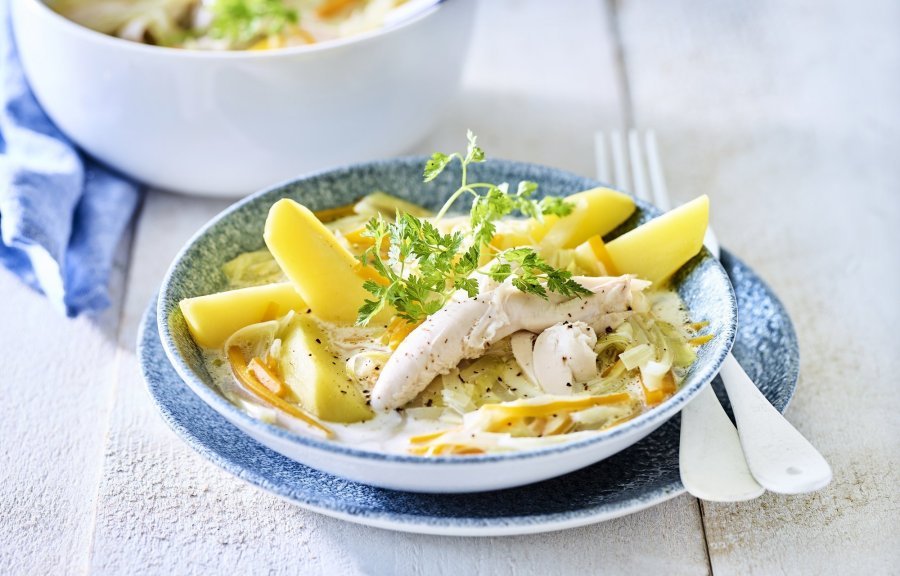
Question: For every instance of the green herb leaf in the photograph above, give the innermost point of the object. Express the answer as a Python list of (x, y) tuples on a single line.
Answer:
[(531, 273), (473, 152), (423, 267), (243, 21), (527, 188), (556, 206), (435, 165)]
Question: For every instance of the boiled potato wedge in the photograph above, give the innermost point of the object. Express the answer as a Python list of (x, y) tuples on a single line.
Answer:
[(213, 318), (597, 212), (317, 375), (325, 274), (656, 250)]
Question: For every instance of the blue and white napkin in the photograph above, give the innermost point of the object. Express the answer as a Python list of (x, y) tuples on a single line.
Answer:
[(62, 214)]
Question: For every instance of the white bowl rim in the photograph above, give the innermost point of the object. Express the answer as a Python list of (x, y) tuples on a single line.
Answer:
[(657, 414), (188, 53)]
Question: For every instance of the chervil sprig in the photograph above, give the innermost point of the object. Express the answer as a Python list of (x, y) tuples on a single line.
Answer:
[(531, 274), (422, 267), (491, 202)]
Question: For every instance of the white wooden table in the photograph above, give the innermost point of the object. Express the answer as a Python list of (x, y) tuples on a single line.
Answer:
[(786, 113)]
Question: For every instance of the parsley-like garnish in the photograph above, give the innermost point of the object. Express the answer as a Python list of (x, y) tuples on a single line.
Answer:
[(243, 21), (530, 273), (422, 267), (495, 202)]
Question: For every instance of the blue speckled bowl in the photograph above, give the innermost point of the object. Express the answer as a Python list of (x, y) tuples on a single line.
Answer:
[(702, 283)]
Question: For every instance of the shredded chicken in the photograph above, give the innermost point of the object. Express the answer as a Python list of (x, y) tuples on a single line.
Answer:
[(563, 355), (464, 328)]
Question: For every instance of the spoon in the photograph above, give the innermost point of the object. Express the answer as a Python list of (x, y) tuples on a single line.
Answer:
[(777, 454)]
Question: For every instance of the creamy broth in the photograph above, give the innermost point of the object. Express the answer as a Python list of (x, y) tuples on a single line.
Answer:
[(364, 352)]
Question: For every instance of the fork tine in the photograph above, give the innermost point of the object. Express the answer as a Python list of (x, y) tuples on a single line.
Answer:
[(600, 159), (661, 192), (620, 172), (639, 180), (657, 179)]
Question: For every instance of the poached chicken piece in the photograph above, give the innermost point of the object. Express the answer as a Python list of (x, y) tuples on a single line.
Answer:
[(464, 328), (563, 355)]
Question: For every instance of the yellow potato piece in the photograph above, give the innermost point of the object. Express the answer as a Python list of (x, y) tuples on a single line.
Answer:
[(317, 375), (213, 318), (657, 249), (597, 212), (324, 273)]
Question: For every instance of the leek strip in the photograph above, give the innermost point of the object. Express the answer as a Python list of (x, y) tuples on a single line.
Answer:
[(637, 356)]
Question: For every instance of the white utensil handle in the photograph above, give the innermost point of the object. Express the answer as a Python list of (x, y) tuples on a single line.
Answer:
[(711, 460), (780, 458)]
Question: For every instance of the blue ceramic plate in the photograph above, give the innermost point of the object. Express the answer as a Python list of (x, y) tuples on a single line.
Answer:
[(639, 477), (702, 284)]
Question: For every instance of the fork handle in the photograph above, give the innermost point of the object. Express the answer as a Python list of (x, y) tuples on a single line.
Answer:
[(779, 457), (711, 460)]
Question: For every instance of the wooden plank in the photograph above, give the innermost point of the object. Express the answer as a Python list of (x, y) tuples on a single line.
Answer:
[(665, 539), (785, 114), (55, 397), (163, 509)]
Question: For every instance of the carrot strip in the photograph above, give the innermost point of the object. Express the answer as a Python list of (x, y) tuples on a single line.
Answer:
[(331, 214), (602, 255), (540, 410), (701, 340), (267, 377), (369, 273), (399, 332), (421, 438), (331, 8), (655, 397), (243, 374)]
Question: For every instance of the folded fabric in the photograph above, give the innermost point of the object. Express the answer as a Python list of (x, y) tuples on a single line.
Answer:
[(62, 214)]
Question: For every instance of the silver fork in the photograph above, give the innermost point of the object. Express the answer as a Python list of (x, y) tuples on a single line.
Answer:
[(717, 462)]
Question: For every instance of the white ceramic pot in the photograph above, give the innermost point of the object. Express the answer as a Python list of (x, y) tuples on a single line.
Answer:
[(230, 123)]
